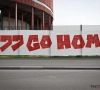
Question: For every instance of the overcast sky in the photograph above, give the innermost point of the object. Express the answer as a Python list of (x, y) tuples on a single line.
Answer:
[(76, 12)]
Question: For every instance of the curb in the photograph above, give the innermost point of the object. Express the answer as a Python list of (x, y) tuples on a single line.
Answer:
[(46, 68)]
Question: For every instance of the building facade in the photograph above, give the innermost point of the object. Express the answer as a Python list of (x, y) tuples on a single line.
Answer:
[(26, 14)]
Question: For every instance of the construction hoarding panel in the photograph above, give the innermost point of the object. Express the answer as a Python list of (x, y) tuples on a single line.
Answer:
[(50, 43)]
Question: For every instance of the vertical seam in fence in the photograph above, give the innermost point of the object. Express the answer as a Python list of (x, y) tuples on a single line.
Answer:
[(50, 47), (81, 38), (19, 48)]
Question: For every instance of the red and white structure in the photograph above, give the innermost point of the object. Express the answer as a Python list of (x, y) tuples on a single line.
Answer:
[(26, 14)]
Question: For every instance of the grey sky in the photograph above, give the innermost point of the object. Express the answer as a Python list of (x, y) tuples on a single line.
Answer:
[(76, 12)]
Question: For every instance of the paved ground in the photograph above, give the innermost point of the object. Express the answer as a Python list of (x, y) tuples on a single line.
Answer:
[(49, 80), (53, 62)]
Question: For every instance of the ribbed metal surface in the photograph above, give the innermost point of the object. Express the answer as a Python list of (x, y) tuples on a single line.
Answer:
[(48, 3)]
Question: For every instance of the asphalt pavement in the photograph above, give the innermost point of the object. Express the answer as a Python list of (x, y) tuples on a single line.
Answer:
[(49, 80), (50, 63), (50, 74)]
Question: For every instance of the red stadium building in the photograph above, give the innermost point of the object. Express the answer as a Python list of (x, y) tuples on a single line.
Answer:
[(26, 14)]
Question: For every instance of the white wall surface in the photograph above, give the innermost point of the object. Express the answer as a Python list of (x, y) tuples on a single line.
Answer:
[(53, 50)]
